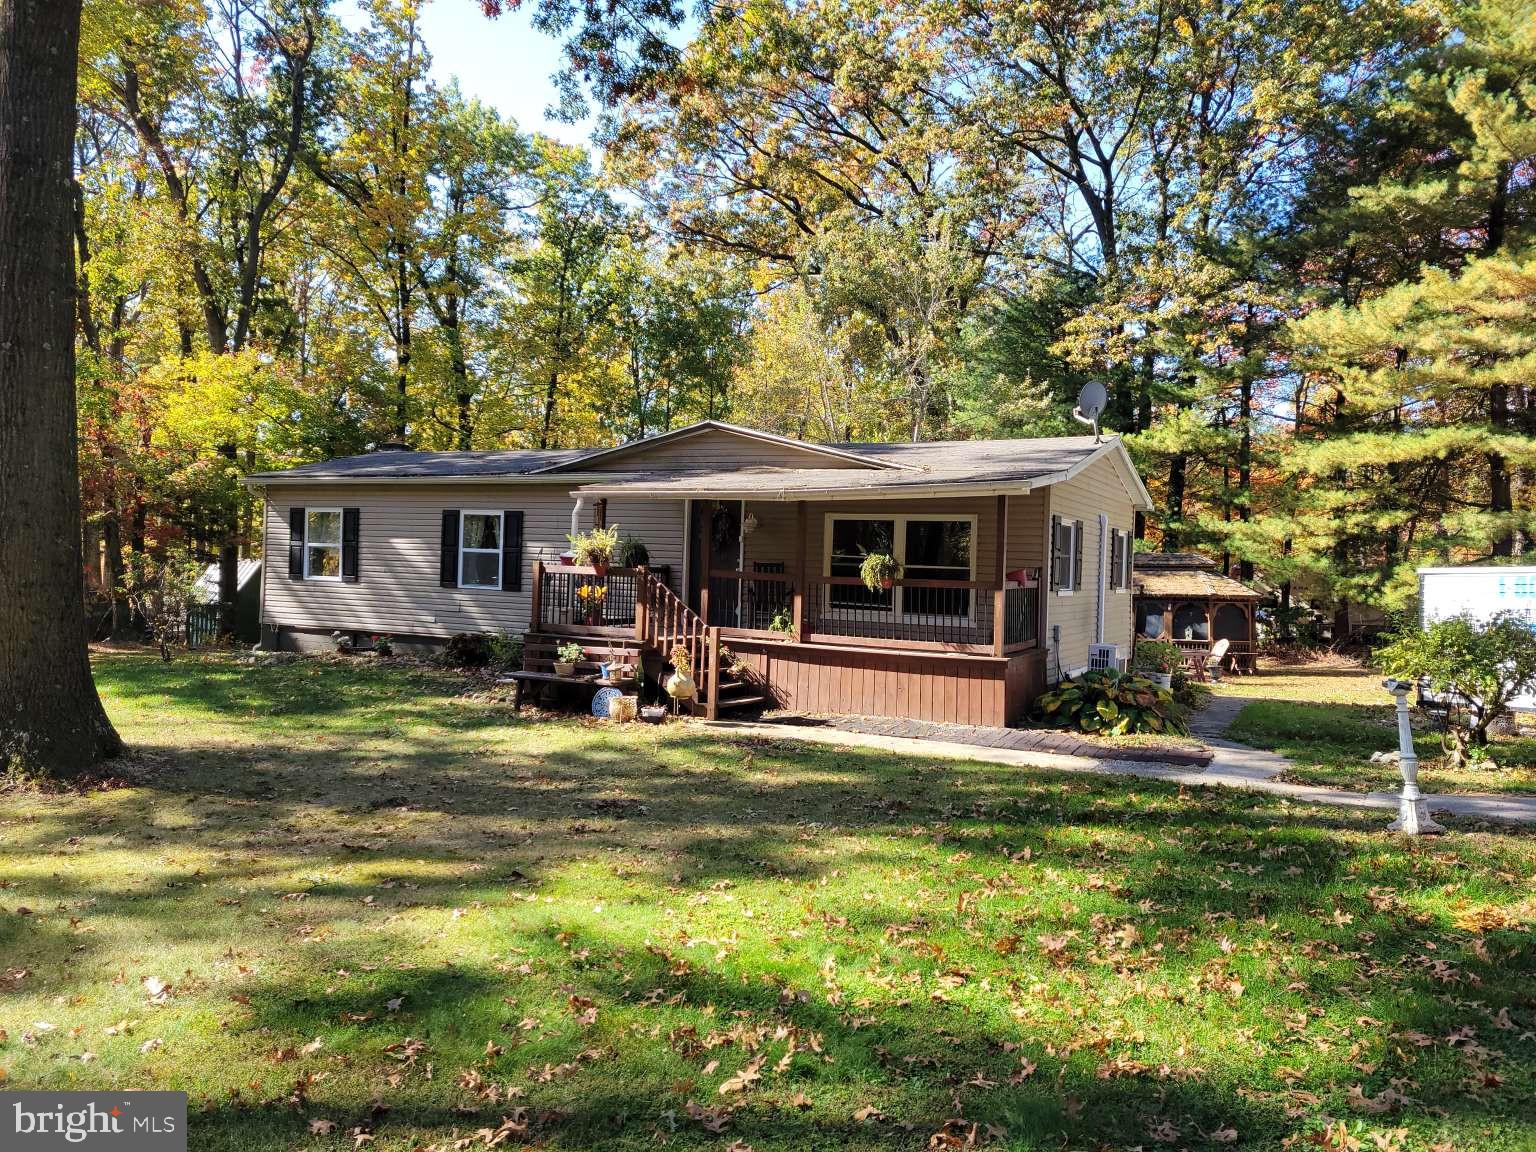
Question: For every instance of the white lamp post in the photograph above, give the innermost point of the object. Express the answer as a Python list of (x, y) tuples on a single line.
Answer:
[(1413, 817)]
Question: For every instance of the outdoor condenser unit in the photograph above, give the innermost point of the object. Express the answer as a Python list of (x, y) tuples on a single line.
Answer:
[(1102, 657)]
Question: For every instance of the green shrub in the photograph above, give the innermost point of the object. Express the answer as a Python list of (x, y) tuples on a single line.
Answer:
[(1111, 703), (1478, 667), (506, 649), (466, 650), (1162, 656)]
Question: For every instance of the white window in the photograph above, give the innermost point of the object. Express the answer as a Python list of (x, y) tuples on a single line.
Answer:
[(480, 550), (322, 544), (1066, 555), (929, 548), (1122, 548)]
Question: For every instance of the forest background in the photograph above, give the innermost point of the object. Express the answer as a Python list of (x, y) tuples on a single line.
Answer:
[(1294, 239)]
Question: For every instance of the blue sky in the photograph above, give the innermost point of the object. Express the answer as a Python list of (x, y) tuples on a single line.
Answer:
[(503, 62)]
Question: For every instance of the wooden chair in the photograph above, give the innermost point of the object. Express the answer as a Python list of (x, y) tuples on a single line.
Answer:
[(1206, 666)]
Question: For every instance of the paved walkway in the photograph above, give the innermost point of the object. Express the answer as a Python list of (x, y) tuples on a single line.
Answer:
[(1231, 765), (1017, 739)]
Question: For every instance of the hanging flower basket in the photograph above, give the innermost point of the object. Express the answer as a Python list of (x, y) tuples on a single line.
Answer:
[(880, 571)]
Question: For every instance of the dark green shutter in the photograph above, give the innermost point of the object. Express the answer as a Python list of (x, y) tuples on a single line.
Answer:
[(448, 559), (1055, 552), (1078, 532), (295, 543), (349, 536), (512, 551)]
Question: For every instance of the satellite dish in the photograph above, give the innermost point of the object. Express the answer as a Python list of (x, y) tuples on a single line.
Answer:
[(1090, 405)]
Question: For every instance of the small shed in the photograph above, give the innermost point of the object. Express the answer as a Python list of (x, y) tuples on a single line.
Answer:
[(205, 592), (1182, 598)]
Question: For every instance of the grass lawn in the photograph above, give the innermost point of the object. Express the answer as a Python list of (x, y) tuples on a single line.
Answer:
[(1329, 719), (343, 908)]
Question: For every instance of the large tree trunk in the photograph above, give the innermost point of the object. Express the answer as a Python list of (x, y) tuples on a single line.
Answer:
[(1174, 524), (51, 720)]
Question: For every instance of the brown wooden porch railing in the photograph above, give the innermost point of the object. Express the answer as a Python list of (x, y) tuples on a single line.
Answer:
[(1021, 615), (562, 603), (945, 613), (749, 601), (663, 622)]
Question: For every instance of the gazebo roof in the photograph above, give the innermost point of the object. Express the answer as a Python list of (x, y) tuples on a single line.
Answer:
[(1184, 576)]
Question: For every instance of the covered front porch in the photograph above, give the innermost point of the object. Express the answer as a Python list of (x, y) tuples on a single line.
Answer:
[(775, 584)]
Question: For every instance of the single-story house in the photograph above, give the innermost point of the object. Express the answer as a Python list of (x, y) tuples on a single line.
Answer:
[(1017, 558), (1182, 598)]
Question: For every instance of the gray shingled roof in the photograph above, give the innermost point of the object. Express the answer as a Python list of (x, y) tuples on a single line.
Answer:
[(937, 461), (941, 462), (406, 465)]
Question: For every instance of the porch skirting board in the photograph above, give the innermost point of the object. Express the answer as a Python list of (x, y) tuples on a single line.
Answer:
[(949, 688)]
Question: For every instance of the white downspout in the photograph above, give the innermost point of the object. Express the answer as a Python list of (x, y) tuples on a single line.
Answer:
[(576, 510), (1098, 618)]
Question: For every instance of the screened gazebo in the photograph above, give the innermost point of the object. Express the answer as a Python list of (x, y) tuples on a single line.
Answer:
[(1181, 597)]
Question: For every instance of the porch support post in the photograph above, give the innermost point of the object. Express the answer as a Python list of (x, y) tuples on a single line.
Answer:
[(600, 513), (642, 597), (999, 595), (712, 681), (1043, 583), (536, 597), (799, 595)]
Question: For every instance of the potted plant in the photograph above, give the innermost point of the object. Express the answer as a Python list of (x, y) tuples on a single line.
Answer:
[(1156, 660), (596, 548), (783, 623), (342, 642), (680, 684), (566, 658), (383, 646), (633, 553), (592, 597), (880, 570)]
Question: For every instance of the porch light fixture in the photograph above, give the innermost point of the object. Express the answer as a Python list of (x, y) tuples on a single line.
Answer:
[(748, 524), (1413, 817)]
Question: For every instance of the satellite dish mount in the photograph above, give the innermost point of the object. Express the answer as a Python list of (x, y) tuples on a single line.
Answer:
[(1090, 406)]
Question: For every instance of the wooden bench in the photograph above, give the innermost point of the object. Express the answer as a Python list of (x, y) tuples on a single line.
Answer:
[(518, 679)]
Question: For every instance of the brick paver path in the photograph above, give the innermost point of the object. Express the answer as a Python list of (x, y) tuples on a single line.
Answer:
[(1017, 739)]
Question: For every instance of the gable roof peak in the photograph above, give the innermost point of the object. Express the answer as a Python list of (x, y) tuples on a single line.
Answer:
[(711, 425)]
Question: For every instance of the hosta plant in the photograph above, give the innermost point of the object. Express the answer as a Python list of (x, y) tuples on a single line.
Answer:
[(1111, 703)]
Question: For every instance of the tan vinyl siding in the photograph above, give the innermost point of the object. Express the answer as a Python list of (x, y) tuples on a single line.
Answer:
[(1027, 530), (660, 526), (400, 535), (714, 449), (1099, 488)]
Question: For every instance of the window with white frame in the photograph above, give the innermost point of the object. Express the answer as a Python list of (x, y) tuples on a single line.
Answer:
[(322, 544), (929, 547), (480, 540), (1122, 548)]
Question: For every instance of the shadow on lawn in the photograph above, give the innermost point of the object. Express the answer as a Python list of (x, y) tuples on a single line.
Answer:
[(460, 819)]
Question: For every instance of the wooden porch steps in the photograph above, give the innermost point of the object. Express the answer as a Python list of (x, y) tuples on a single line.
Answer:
[(733, 695)]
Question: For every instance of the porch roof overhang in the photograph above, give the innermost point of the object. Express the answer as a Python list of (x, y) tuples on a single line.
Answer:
[(779, 485)]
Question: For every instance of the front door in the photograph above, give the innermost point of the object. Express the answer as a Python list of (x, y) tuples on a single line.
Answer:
[(715, 538)]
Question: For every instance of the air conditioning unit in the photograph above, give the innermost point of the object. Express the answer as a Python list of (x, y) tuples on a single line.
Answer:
[(1102, 657)]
